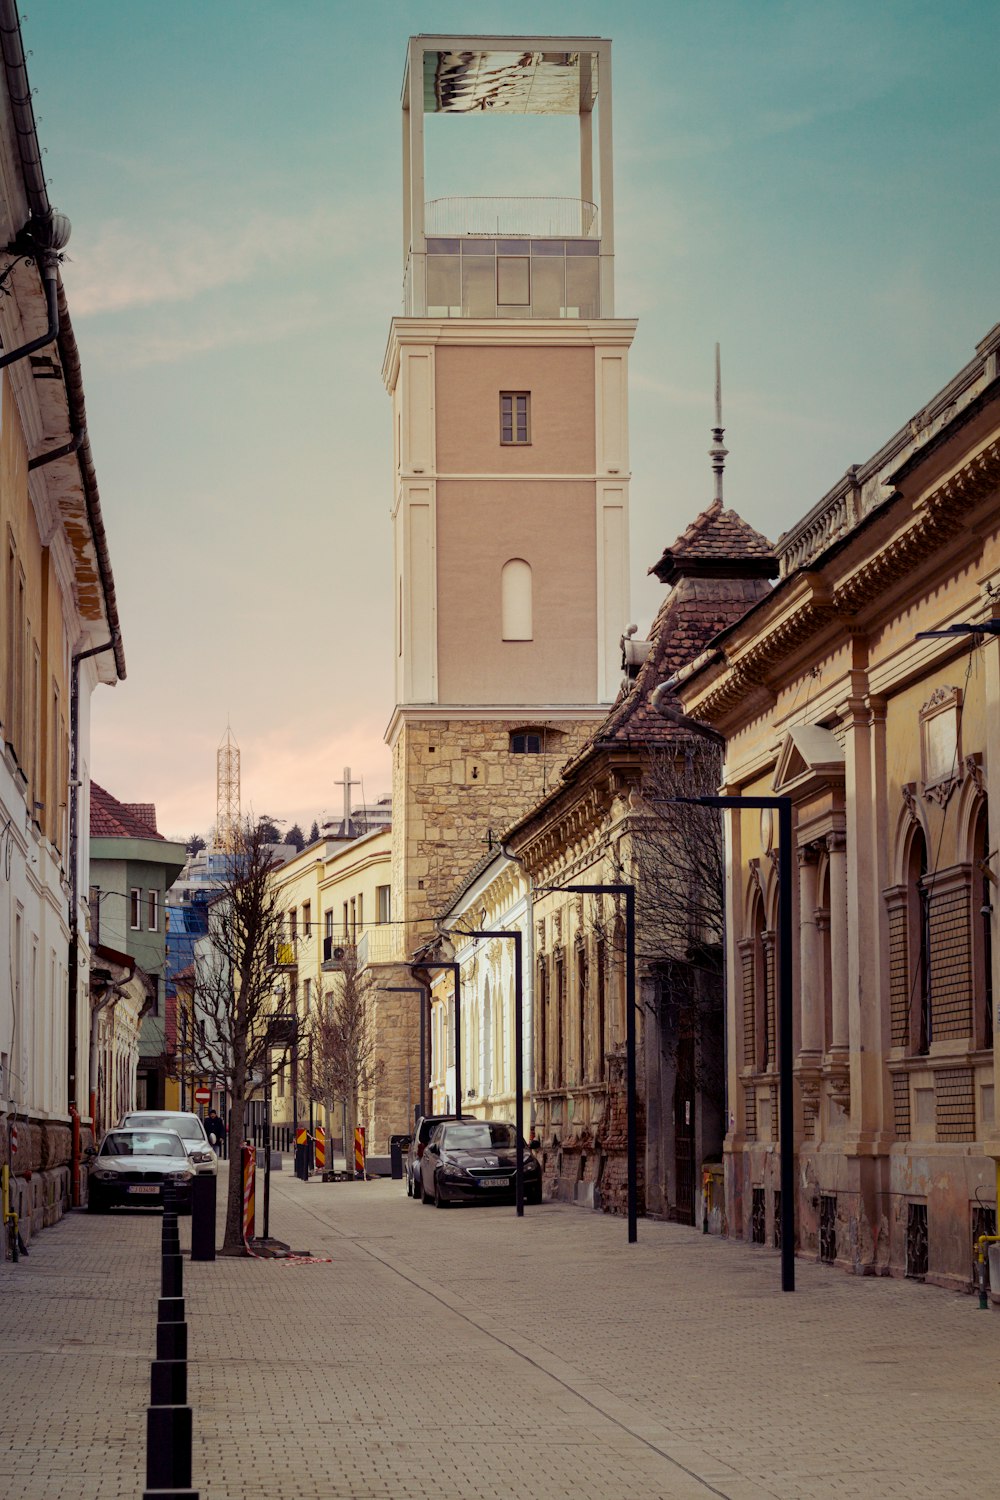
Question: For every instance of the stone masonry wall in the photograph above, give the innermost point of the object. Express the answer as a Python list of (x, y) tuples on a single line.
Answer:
[(453, 781)]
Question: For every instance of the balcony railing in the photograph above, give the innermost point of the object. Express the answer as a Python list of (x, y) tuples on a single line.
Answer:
[(545, 218), (282, 953), (381, 944)]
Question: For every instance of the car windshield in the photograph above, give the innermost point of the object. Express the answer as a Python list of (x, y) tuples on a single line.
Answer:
[(186, 1126), (141, 1143), (482, 1137)]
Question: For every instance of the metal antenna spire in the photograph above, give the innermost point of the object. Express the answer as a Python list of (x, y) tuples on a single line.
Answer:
[(227, 792), (718, 453)]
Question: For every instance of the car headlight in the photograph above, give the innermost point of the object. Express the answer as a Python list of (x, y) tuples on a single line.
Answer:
[(105, 1176), (184, 1176), (201, 1155)]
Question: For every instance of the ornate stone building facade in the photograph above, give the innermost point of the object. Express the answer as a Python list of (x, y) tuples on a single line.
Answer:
[(866, 688)]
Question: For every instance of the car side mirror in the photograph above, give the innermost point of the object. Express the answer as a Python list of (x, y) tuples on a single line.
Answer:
[(434, 1149), (90, 1151)]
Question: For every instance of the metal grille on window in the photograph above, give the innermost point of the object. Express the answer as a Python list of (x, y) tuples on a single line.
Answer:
[(828, 1227), (758, 1235), (984, 1221), (916, 1240)]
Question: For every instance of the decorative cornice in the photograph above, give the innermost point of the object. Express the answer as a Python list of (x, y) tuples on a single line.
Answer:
[(939, 517)]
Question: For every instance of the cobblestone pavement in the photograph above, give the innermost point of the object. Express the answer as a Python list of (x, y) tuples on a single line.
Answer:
[(470, 1354)]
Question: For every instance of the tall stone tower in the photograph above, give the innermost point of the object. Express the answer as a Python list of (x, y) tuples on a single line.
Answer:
[(508, 379)]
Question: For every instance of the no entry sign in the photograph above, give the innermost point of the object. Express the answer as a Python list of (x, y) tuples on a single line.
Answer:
[(202, 1095)]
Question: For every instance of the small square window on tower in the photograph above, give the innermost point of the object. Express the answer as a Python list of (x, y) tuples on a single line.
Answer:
[(515, 412)]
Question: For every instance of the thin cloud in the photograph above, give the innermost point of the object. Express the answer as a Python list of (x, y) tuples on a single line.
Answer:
[(120, 270)]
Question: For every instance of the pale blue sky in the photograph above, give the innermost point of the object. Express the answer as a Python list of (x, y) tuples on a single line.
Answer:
[(814, 185)]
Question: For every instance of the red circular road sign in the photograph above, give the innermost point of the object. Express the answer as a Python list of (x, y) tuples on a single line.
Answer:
[(202, 1095)]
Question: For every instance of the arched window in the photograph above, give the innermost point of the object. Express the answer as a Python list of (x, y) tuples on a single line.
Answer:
[(581, 1012), (515, 600), (542, 1023), (982, 929), (918, 919), (487, 1040), (601, 1020)]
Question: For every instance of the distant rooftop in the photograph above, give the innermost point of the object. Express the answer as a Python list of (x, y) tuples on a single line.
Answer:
[(111, 819)]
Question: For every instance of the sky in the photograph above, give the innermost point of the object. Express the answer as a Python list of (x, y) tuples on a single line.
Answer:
[(813, 185)]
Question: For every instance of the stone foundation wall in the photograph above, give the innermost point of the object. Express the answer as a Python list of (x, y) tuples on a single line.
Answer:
[(41, 1185)]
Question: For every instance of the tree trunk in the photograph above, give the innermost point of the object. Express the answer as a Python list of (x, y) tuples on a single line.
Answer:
[(232, 1243)]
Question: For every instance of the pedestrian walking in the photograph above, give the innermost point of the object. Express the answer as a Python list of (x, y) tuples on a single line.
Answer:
[(216, 1130)]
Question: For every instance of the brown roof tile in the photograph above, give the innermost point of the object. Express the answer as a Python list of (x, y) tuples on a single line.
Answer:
[(717, 542), (111, 819)]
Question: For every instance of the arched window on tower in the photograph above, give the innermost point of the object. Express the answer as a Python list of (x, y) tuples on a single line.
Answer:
[(515, 601)]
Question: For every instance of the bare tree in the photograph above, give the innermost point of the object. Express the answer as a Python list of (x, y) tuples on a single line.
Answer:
[(679, 867), (344, 1064), (237, 1027)]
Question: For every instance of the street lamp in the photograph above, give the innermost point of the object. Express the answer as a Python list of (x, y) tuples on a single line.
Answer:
[(628, 891), (425, 967), (422, 991), (786, 1115), (515, 938)]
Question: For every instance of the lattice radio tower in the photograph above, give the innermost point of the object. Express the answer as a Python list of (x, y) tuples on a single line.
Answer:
[(227, 793)]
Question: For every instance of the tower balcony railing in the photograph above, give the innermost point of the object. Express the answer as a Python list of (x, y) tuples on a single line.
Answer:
[(543, 218)]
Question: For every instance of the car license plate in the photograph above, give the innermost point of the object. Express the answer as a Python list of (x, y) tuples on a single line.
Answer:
[(134, 1189), (494, 1182)]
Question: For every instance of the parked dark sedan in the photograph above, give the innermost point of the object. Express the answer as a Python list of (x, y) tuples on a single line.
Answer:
[(474, 1162), (426, 1126), (132, 1166)]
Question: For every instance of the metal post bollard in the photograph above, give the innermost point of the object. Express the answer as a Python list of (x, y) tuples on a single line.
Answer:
[(203, 1191), (172, 1276), (169, 1435), (168, 1382), (171, 1341)]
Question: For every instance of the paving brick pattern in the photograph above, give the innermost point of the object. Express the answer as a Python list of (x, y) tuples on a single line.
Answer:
[(468, 1354)]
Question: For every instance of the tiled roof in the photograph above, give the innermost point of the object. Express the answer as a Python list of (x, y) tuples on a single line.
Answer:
[(111, 819), (733, 564), (717, 542)]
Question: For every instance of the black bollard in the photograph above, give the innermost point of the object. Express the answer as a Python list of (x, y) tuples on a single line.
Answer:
[(169, 1433), (171, 1244), (203, 1189), (170, 1310), (171, 1341), (168, 1382), (172, 1276)]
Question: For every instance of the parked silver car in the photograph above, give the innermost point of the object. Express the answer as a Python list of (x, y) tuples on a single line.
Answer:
[(132, 1166), (188, 1126)]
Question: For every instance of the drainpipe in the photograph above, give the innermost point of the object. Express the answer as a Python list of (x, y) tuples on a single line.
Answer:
[(73, 965), (41, 241)]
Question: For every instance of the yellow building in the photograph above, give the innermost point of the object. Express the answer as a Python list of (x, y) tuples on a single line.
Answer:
[(337, 906), (887, 740)]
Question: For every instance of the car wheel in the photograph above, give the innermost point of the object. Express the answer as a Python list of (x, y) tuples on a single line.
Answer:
[(96, 1205), (418, 1187), (533, 1196), (425, 1196), (440, 1201), (409, 1186)]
